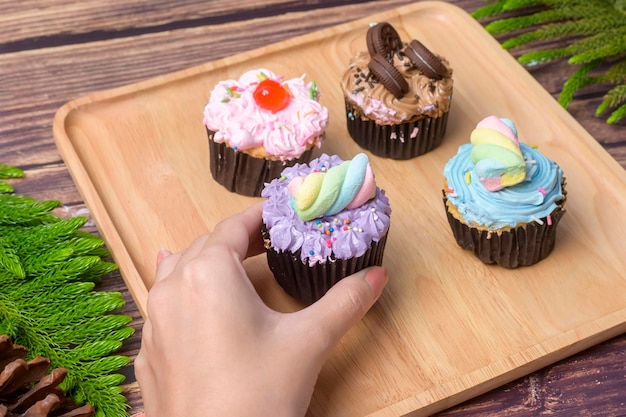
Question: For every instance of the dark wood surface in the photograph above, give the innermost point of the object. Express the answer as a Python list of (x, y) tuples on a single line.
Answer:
[(52, 51)]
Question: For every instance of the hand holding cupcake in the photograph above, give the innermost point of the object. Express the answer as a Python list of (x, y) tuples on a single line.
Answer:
[(322, 222)]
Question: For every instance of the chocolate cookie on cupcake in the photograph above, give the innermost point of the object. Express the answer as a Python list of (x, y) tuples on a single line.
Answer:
[(397, 95)]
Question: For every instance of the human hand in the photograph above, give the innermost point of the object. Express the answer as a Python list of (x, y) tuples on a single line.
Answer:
[(211, 347)]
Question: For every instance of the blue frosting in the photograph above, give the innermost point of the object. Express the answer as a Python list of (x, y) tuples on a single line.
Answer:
[(534, 198)]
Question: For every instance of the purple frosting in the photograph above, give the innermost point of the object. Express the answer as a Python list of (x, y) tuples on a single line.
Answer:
[(345, 235)]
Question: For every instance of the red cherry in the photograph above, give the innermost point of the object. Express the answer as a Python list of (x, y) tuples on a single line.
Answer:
[(270, 95)]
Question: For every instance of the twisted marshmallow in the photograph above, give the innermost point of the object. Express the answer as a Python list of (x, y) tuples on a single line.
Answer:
[(324, 193), (496, 154)]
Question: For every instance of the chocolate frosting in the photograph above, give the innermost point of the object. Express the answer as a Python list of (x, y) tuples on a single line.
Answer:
[(426, 97)]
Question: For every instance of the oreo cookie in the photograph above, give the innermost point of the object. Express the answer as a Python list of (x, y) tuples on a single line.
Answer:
[(427, 62), (388, 76), (383, 39)]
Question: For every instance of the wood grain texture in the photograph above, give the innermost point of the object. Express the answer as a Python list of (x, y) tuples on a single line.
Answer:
[(124, 150), (52, 51)]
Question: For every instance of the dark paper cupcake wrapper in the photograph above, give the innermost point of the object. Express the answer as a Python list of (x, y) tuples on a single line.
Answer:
[(242, 173), (400, 141), (308, 283), (520, 246)]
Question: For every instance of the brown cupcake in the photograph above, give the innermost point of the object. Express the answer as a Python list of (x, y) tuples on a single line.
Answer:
[(397, 96)]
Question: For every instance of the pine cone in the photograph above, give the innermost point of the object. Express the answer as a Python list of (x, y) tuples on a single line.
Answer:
[(26, 390)]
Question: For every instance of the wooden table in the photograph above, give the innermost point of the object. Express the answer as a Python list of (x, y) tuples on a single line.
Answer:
[(53, 51)]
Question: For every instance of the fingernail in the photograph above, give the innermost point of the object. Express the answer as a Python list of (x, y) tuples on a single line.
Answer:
[(163, 253), (377, 278)]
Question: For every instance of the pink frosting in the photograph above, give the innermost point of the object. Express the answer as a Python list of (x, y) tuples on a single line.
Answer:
[(237, 119)]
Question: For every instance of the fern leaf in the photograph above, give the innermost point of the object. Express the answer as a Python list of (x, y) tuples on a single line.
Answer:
[(594, 29), (519, 4), (522, 22), (16, 210), (578, 80), (540, 57), (48, 302), (616, 73), (489, 10), (6, 188), (10, 261), (110, 395), (606, 46), (9, 171), (617, 115), (615, 96)]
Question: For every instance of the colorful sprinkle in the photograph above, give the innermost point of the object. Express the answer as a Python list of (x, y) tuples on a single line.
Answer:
[(347, 221), (450, 190), (468, 177), (542, 190), (329, 244), (225, 100), (549, 219), (538, 220), (311, 252)]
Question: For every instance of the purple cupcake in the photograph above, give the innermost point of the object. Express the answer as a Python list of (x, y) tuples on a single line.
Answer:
[(323, 221)]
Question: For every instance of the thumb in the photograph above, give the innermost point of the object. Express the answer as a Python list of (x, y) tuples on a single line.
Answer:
[(345, 304)]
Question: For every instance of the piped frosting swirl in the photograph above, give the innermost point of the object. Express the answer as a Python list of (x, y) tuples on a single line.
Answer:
[(344, 235), (538, 194)]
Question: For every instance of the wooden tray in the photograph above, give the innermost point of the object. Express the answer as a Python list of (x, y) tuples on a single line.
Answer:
[(447, 327)]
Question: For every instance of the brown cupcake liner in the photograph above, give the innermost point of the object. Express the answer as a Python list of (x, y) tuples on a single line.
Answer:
[(242, 173), (523, 245), (308, 283), (395, 141)]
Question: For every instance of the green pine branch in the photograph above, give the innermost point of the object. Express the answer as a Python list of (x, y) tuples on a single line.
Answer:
[(48, 271), (596, 34)]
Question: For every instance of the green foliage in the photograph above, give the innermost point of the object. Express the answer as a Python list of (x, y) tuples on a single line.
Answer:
[(595, 29), (48, 271), (8, 171)]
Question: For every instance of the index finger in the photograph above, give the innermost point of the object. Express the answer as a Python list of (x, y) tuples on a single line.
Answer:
[(241, 232)]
